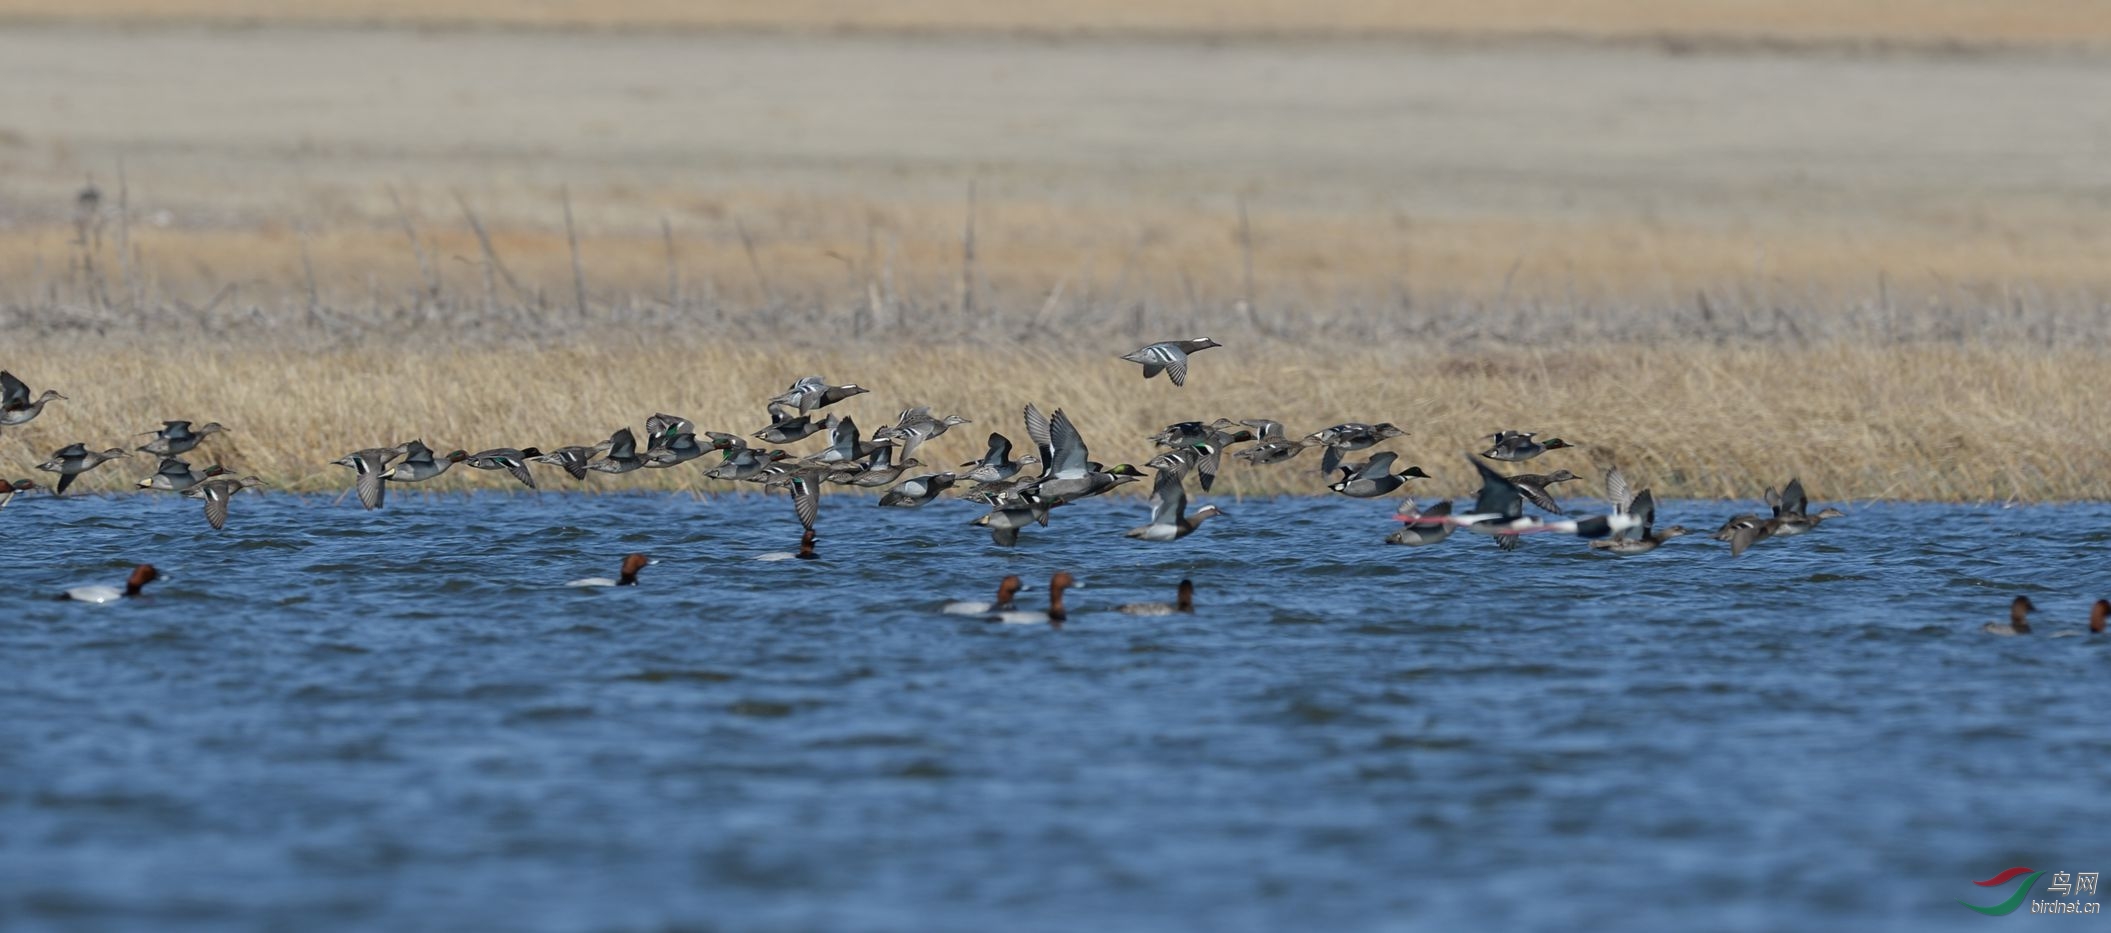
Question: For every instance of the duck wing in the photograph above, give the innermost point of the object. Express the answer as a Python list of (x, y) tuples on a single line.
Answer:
[(1168, 498), (622, 445), (1645, 511), (1498, 495), (1537, 495), (370, 487), (1069, 455), (216, 495), (1212, 458), (1793, 501), (806, 497), (1617, 491), (1037, 431), (14, 393)]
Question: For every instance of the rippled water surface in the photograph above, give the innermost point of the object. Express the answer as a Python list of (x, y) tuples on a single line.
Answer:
[(331, 719)]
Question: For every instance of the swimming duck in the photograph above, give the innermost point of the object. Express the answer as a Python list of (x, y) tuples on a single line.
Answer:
[(621, 456), (1535, 487), (216, 492), (814, 392), (1185, 603), (510, 459), (631, 565), (1169, 357), (1643, 508), (2098, 614), (177, 437), (174, 475), (2017, 623), (15, 405), (369, 464), (419, 464), (75, 459), (1349, 436), (1376, 478), (1516, 447), (1007, 590), (8, 490), (1413, 533), (1168, 503), (997, 464), (916, 490), (806, 550), (786, 429), (1055, 615), (134, 585), (1006, 520)]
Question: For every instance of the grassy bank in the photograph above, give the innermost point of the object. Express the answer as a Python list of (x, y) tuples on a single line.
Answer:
[(1913, 421)]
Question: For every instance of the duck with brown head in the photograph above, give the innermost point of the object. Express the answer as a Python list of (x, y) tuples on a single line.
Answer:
[(2098, 615), (2017, 624), (134, 586), (1055, 615), (631, 565), (1184, 602), (1007, 590)]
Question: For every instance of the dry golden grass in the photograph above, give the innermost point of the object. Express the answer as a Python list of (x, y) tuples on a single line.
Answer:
[(1911, 422), (1883, 21)]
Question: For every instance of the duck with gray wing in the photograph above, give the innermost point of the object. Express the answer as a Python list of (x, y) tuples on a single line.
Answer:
[(1169, 518), (175, 475), (1348, 437), (1069, 473), (916, 490), (510, 459), (73, 460), (178, 437), (216, 493), (1272, 446), (15, 405), (786, 429), (1537, 487), (1422, 526), (1517, 447), (621, 456), (419, 463), (369, 464), (997, 464), (1640, 539), (813, 393), (1169, 357), (1376, 478)]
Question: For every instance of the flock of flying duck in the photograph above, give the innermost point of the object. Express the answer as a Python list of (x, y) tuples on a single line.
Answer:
[(1017, 495)]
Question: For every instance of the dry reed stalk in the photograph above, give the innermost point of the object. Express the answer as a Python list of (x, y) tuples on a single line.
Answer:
[(1691, 420)]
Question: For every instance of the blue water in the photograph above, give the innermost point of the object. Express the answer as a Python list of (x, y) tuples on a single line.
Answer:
[(330, 719)]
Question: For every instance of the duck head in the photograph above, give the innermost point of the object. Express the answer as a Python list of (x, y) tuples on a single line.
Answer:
[(631, 565), (141, 576)]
